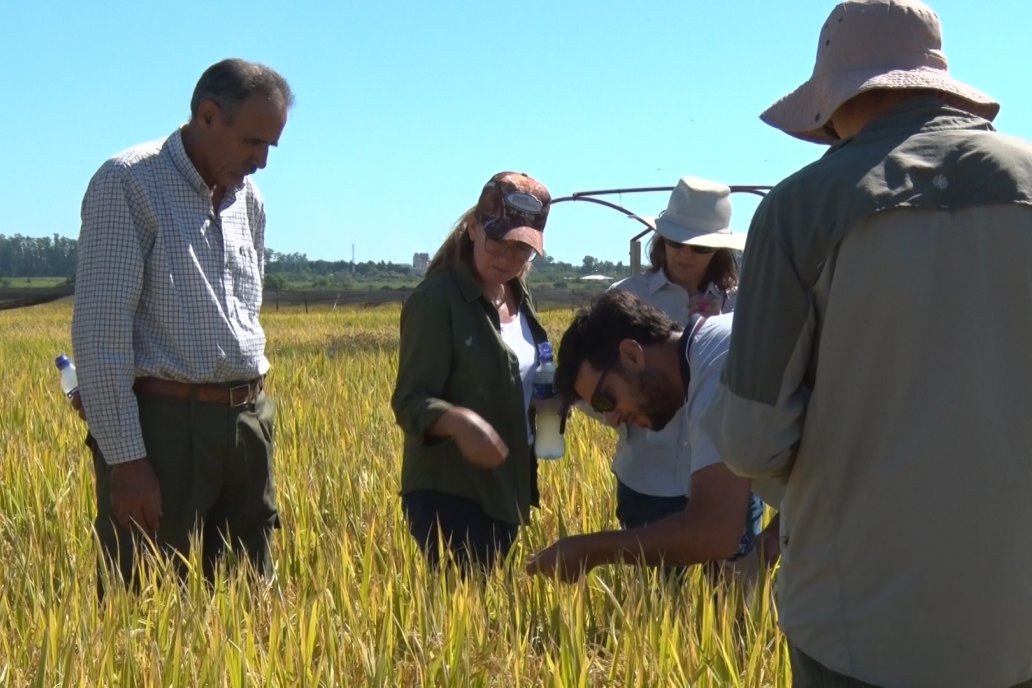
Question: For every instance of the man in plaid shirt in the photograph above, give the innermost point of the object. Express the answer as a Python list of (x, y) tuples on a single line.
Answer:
[(169, 349)]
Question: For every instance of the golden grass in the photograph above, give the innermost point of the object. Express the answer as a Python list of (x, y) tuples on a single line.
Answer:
[(352, 603)]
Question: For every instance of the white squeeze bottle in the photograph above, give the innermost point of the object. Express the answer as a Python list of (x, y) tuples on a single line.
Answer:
[(548, 441), (69, 380)]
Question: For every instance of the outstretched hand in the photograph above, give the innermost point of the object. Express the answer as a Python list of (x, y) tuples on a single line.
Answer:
[(566, 559)]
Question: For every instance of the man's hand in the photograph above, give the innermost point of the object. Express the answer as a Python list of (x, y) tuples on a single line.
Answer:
[(768, 542), (568, 558), (77, 404), (136, 496)]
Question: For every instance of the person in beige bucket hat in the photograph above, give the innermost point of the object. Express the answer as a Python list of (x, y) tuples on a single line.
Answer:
[(869, 45), (879, 367), (693, 248), (699, 214)]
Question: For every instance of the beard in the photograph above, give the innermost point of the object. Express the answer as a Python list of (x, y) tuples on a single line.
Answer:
[(658, 399)]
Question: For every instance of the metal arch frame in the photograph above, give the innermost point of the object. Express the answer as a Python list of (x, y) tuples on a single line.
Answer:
[(589, 196)]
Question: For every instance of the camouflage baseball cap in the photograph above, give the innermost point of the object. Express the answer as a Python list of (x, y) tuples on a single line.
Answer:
[(513, 207)]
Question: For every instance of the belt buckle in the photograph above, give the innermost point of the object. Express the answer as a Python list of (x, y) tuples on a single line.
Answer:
[(247, 397)]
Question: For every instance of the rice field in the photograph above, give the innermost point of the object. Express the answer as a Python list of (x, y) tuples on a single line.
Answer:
[(352, 603)]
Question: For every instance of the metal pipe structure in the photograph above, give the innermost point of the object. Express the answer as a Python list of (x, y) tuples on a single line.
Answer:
[(635, 244)]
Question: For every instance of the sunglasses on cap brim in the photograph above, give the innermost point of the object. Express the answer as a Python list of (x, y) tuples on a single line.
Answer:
[(518, 209)]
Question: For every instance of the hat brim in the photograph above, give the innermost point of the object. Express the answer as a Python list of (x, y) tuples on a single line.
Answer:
[(683, 235), (529, 236), (804, 112)]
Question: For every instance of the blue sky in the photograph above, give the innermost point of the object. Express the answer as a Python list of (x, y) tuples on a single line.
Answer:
[(405, 109)]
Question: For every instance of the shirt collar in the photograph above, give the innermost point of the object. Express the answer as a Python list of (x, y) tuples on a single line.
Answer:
[(917, 114), (685, 344), (656, 280), (189, 171), (470, 288), (182, 161)]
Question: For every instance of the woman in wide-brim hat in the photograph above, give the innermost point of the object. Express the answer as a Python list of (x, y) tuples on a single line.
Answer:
[(694, 248)]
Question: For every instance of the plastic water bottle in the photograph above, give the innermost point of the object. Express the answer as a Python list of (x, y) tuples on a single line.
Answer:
[(548, 440), (69, 380)]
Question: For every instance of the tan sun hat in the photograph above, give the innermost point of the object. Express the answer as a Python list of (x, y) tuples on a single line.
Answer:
[(869, 44), (698, 213)]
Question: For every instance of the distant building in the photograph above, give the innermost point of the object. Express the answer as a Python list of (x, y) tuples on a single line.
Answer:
[(420, 261)]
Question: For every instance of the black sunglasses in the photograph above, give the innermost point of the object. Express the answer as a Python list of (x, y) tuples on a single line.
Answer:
[(601, 400), (701, 250)]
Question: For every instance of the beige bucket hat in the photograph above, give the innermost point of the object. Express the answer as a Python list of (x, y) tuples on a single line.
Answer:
[(698, 213), (868, 44)]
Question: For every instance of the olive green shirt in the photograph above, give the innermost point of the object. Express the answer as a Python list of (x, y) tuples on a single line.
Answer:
[(451, 353)]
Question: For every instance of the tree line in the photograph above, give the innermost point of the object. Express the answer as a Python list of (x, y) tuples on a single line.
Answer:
[(22, 256), (296, 269)]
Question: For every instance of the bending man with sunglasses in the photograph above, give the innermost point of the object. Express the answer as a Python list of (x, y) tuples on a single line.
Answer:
[(693, 270), (635, 365)]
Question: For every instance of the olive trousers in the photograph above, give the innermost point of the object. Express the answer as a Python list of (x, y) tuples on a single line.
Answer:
[(214, 466)]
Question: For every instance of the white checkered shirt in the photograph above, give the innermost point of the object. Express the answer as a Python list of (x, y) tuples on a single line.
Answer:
[(164, 286)]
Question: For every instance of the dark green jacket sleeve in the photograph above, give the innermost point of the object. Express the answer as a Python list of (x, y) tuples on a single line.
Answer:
[(424, 363)]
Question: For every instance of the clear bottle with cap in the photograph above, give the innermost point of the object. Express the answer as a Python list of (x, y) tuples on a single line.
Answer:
[(548, 438), (69, 379)]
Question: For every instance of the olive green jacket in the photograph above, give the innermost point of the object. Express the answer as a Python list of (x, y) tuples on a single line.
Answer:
[(451, 354), (880, 367)]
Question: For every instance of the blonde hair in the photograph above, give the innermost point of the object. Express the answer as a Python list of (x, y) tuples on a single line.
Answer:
[(458, 246)]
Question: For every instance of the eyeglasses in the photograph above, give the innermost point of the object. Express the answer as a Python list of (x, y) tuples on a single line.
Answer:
[(701, 250), (509, 249), (602, 401)]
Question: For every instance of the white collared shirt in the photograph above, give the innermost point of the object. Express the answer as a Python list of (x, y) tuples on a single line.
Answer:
[(661, 463)]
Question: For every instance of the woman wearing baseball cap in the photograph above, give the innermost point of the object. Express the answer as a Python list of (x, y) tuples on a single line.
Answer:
[(468, 349)]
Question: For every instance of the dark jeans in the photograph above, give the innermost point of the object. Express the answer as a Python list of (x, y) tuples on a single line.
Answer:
[(807, 672), (469, 537), (214, 467), (637, 509)]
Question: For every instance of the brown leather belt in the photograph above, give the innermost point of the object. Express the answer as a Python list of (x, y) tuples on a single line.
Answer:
[(228, 394)]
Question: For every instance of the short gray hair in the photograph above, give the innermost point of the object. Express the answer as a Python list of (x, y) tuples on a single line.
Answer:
[(230, 82)]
